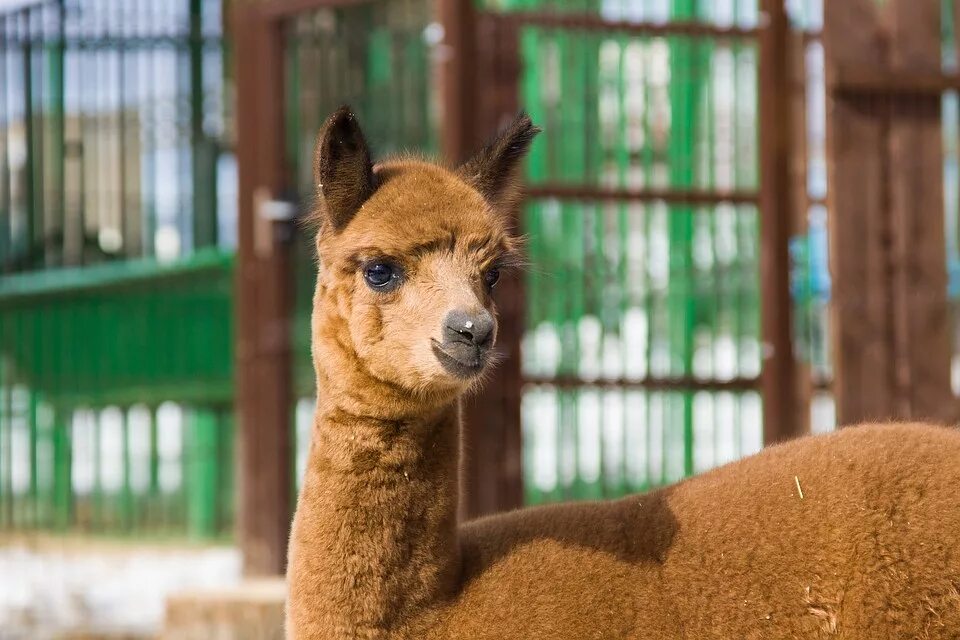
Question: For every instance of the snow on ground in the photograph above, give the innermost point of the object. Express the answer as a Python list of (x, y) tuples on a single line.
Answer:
[(50, 587)]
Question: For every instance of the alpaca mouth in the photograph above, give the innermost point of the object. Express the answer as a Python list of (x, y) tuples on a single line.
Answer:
[(460, 359)]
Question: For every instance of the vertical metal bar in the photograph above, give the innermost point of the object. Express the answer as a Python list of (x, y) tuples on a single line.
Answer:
[(62, 463), (55, 108), (97, 519), (126, 491), (263, 290), (649, 299), (204, 213), (153, 470), (5, 170), (779, 383), (6, 502), (626, 287), (28, 123), (124, 220), (685, 88), (201, 471), (32, 511)]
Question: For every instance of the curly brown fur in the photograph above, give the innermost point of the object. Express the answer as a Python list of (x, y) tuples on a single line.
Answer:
[(871, 550)]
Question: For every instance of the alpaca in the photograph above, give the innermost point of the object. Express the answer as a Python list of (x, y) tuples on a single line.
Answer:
[(850, 535)]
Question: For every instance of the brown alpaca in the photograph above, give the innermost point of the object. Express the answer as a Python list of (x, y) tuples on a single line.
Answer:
[(851, 535)]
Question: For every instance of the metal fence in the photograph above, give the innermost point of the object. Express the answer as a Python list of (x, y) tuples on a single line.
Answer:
[(642, 344), (117, 217)]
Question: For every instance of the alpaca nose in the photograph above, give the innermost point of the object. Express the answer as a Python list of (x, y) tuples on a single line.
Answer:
[(470, 327)]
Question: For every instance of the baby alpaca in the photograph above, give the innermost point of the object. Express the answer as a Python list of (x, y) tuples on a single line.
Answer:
[(851, 535)]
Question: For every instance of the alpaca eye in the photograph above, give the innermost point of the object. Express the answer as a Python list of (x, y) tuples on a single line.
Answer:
[(491, 277), (381, 275)]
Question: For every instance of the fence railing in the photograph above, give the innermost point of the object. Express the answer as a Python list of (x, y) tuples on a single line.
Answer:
[(117, 184), (116, 388), (114, 132)]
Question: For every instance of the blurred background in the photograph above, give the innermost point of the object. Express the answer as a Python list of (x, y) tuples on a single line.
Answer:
[(682, 308)]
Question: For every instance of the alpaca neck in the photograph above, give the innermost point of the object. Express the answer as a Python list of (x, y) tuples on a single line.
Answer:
[(374, 542)]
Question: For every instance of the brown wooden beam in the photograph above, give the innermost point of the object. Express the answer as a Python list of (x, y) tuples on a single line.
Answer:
[(646, 384), (921, 329), (593, 22), (881, 83), (860, 326), (783, 415), (591, 193), (263, 299), (283, 9), (890, 314)]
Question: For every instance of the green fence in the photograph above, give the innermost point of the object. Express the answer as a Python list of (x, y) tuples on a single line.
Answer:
[(115, 397), (116, 188), (625, 292)]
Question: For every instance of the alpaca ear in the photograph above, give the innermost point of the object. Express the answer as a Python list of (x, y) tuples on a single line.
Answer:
[(342, 169), (494, 170)]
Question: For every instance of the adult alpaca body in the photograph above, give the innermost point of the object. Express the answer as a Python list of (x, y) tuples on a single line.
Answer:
[(403, 323)]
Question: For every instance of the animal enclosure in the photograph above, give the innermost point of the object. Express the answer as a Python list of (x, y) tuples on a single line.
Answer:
[(677, 309)]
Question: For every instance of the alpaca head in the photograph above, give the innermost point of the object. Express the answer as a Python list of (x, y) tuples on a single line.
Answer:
[(410, 255)]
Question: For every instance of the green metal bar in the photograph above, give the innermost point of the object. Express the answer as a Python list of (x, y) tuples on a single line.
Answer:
[(62, 471), (98, 501), (201, 472), (6, 454), (154, 511), (225, 477), (625, 288), (684, 106)]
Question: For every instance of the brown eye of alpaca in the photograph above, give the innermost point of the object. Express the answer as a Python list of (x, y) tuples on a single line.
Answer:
[(382, 276), (491, 277)]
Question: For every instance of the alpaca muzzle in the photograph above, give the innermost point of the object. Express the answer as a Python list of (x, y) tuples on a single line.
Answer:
[(467, 339)]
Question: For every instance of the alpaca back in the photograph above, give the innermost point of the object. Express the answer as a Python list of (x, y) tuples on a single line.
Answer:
[(871, 550)]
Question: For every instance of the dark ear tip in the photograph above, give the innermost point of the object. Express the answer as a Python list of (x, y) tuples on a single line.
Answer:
[(342, 119), (341, 127), (344, 112), (525, 123), (523, 128)]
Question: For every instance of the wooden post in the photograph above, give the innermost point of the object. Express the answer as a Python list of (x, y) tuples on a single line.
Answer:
[(491, 479), (889, 308), (456, 69), (922, 323), (264, 281), (783, 416), (859, 322)]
